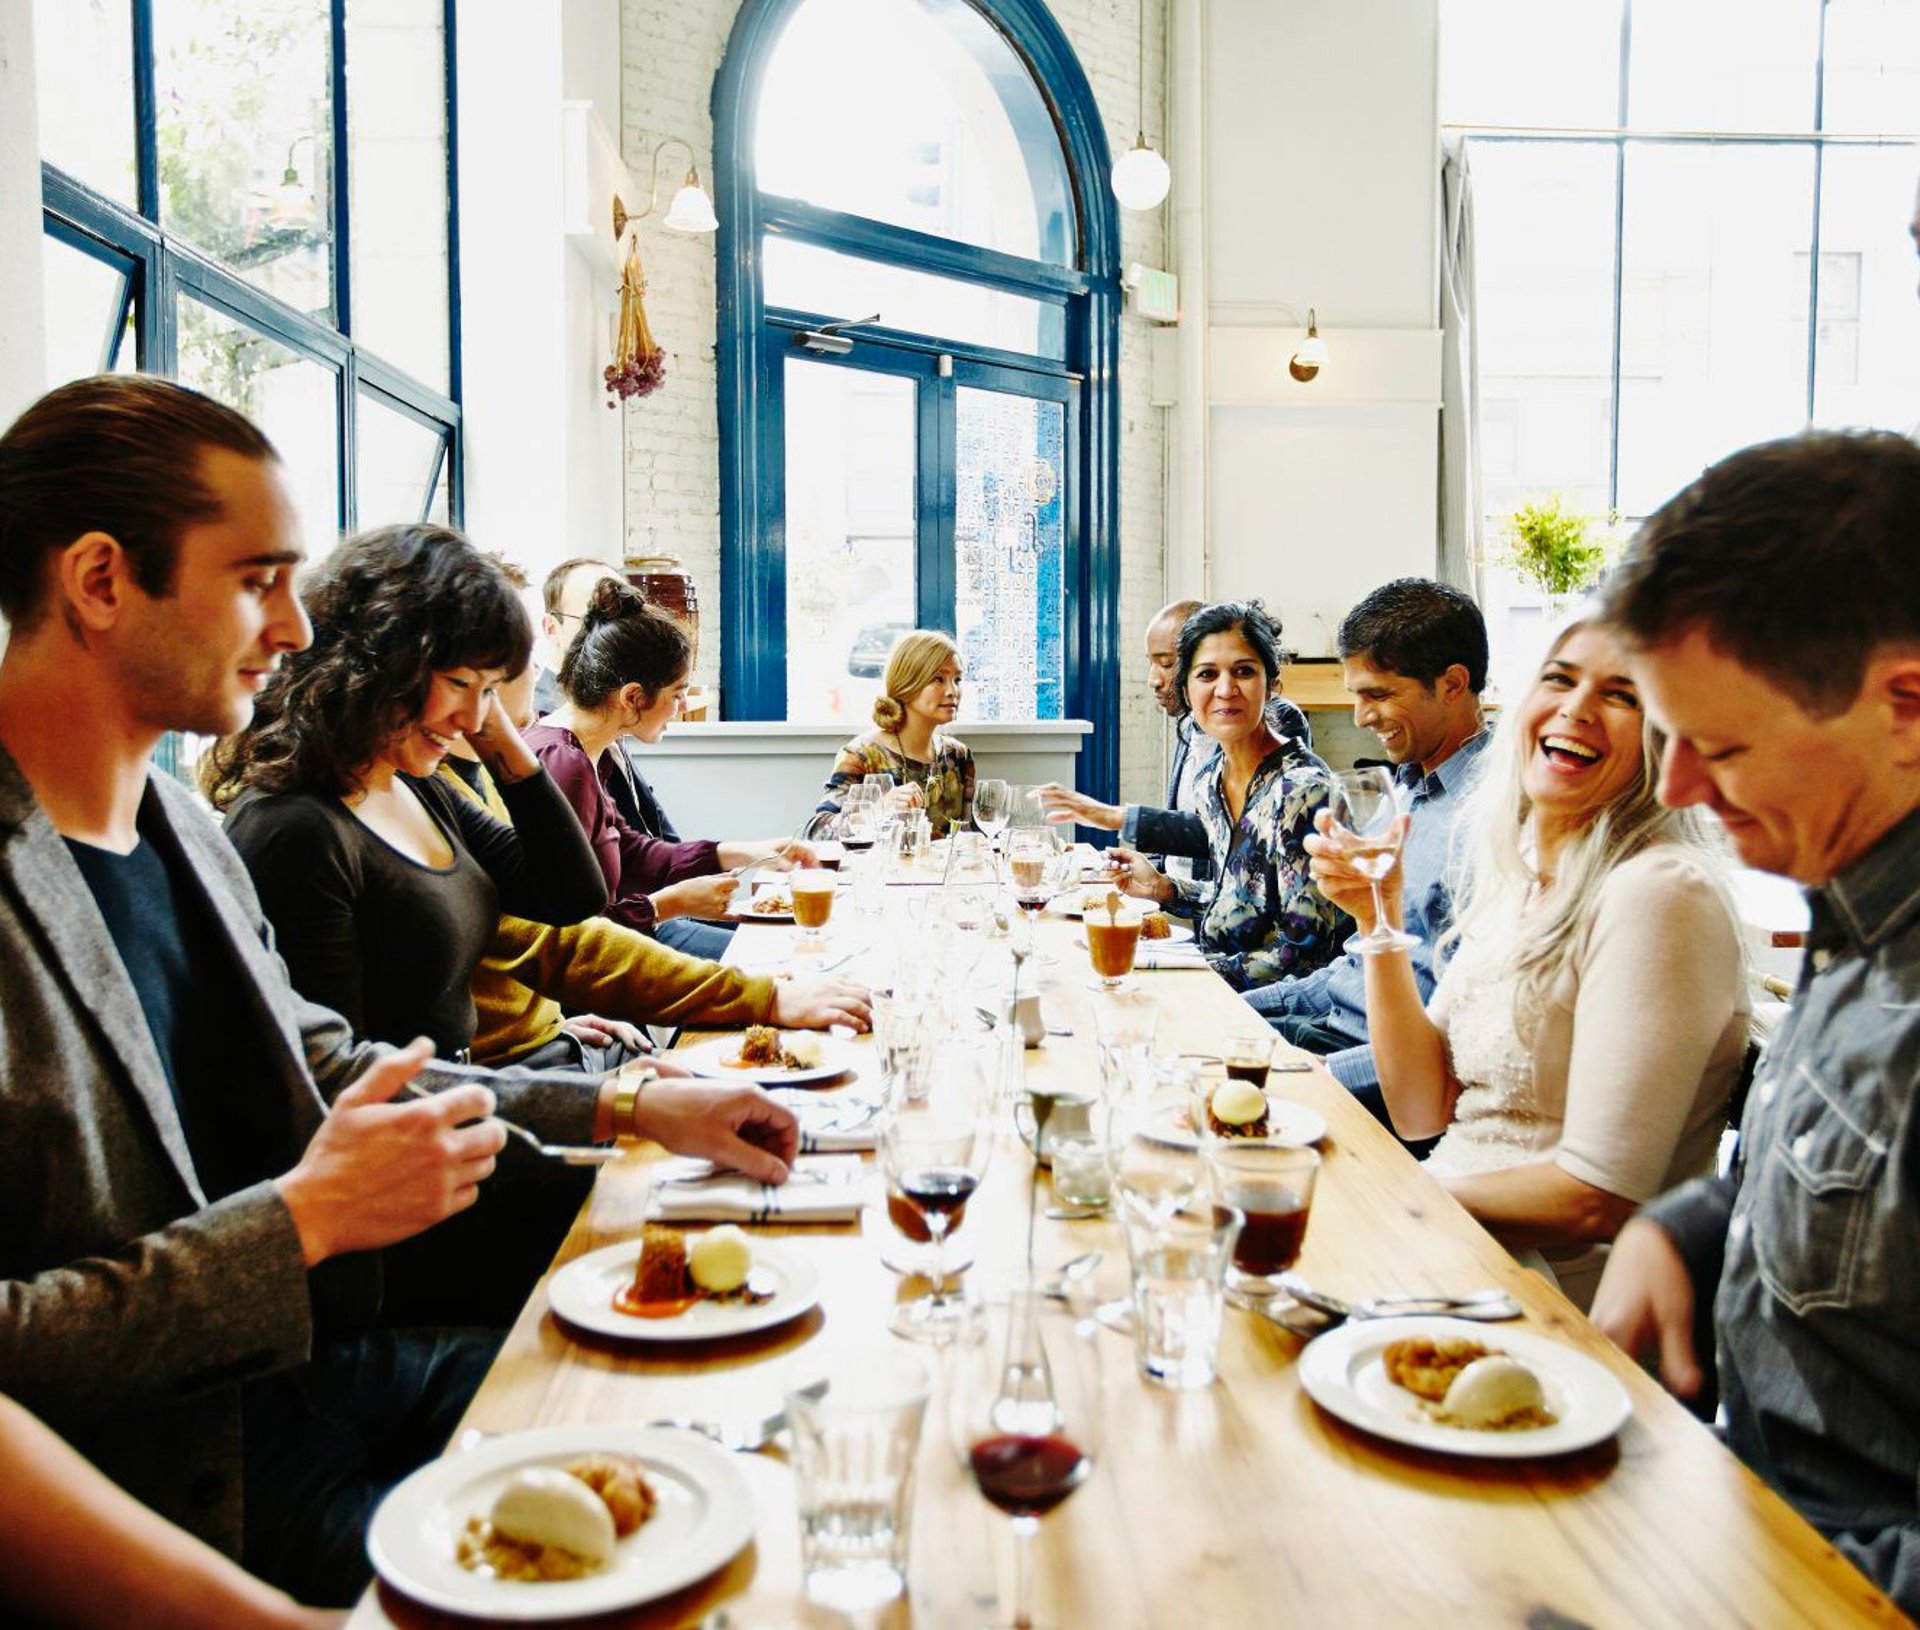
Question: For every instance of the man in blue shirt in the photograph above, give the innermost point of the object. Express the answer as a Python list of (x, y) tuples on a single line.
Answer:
[(1775, 619), (1413, 654)]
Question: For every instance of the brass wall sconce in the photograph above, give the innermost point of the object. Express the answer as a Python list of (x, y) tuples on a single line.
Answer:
[(1310, 356), (691, 210)]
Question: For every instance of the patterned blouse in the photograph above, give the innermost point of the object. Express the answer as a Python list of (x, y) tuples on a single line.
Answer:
[(947, 782), (1261, 918)]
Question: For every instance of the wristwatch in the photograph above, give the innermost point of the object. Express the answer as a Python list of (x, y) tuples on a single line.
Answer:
[(627, 1087)]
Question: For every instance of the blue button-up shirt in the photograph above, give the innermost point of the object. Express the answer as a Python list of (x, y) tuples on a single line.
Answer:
[(1814, 1238), (1336, 996)]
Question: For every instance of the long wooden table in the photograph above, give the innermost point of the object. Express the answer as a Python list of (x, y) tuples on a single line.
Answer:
[(1239, 1505)]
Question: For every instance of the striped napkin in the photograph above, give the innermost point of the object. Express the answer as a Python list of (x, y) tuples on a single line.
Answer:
[(839, 1123), (824, 1189)]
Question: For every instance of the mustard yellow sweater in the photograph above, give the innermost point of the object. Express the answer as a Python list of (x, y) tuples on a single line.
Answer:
[(596, 966)]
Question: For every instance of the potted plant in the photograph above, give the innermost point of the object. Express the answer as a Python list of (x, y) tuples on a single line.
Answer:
[(1558, 549)]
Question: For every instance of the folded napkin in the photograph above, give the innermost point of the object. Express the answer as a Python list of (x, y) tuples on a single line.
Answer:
[(826, 1189), (832, 1123), (1166, 954)]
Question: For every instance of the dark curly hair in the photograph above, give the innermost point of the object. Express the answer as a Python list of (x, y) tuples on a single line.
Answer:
[(1247, 618), (622, 641), (390, 609)]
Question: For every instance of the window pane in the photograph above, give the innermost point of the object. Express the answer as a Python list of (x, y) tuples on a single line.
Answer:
[(90, 136), (244, 101), (394, 459), (84, 297), (1867, 350), (397, 164), (1723, 65), (1543, 263), (850, 534), (288, 396), (1491, 57), (919, 115), (1713, 328), (1873, 66), (1009, 541), (805, 277)]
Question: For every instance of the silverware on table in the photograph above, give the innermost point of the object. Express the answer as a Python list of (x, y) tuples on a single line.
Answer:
[(744, 1434), (1491, 1305)]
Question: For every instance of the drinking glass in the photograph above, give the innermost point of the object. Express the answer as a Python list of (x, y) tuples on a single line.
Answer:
[(992, 808), (1366, 814), (854, 1442), (1153, 1161), (861, 813), (1036, 866), (812, 892), (1178, 1264), (1112, 938), (1027, 1417), (1273, 1187), (934, 1154), (1124, 1022)]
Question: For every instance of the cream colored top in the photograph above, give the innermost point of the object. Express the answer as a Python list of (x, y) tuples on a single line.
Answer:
[(1626, 1082)]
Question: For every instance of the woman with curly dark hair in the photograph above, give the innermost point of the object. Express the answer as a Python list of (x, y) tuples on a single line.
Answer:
[(383, 886)]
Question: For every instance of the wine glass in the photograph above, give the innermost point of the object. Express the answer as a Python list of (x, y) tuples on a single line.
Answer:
[(861, 813), (1027, 1416), (1366, 816), (1152, 1154), (992, 808), (1036, 863), (934, 1154)]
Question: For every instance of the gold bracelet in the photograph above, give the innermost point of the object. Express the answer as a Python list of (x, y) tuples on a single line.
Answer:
[(627, 1086)]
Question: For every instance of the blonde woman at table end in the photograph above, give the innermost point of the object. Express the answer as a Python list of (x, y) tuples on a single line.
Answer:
[(1580, 1048), (920, 694)]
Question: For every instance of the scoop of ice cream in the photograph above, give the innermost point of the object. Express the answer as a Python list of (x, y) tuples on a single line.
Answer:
[(720, 1259), (804, 1051), (542, 1506), (1492, 1390), (1238, 1103)]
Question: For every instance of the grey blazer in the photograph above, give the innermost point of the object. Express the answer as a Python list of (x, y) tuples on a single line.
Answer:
[(131, 1310)]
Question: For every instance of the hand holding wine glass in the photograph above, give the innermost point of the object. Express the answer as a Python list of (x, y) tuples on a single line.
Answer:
[(1364, 836)]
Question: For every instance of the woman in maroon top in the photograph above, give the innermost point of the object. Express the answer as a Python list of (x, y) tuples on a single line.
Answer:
[(624, 675)]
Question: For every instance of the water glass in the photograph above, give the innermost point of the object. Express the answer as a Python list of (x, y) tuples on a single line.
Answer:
[(1079, 1157), (1179, 1266), (1272, 1187), (906, 1030), (1124, 1022), (853, 1454)]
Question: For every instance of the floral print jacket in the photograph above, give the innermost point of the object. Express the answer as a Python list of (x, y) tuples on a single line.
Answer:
[(946, 783), (1261, 918)]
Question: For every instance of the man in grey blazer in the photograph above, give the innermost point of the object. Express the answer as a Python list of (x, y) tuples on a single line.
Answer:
[(196, 1166)]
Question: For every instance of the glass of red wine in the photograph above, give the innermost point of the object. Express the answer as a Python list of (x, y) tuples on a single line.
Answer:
[(934, 1153), (1027, 1417)]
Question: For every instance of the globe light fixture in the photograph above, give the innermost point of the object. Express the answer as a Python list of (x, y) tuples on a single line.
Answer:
[(1140, 175), (1310, 356)]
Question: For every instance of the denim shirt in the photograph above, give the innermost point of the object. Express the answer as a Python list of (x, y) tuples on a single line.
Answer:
[(1336, 996), (1816, 1234), (1264, 918)]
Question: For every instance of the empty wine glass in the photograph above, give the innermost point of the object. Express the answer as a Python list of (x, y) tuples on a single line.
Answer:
[(1366, 816), (934, 1154), (992, 808), (1027, 1409), (1152, 1154)]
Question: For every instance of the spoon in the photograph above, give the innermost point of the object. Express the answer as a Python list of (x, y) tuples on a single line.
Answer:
[(1490, 1304)]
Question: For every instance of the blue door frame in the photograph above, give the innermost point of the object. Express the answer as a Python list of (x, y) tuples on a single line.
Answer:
[(753, 344)]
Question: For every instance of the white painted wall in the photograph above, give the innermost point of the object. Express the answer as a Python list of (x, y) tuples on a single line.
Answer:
[(23, 357), (1321, 193)]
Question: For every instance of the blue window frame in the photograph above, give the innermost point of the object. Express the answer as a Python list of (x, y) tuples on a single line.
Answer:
[(1060, 303), (166, 277)]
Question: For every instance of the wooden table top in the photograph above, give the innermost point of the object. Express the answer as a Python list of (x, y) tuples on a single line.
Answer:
[(1238, 1505)]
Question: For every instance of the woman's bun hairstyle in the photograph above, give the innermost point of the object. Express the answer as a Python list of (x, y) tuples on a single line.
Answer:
[(888, 712)]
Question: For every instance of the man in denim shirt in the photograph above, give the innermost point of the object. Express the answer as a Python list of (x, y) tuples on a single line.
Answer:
[(1414, 655), (1775, 611)]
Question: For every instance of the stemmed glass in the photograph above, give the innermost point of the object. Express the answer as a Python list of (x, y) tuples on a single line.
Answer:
[(1035, 866), (992, 809), (862, 808), (934, 1154), (1366, 813), (1155, 1163), (1028, 1417)]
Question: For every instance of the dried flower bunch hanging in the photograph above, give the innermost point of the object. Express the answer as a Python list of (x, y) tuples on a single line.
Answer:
[(639, 365)]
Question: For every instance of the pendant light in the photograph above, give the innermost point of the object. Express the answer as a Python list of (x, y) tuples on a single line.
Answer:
[(1140, 175)]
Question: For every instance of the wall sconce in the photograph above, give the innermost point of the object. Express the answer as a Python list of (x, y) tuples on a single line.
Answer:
[(691, 209), (1140, 175), (293, 208), (1310, 356)]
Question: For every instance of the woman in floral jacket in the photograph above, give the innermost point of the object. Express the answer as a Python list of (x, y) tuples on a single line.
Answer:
[(1261, 917)]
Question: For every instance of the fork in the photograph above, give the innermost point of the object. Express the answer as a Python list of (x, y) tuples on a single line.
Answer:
[(571, 1154), (746, 1435)]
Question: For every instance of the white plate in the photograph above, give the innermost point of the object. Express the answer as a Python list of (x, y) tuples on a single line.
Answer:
[(1343, 1374), (1071, 903), (1294, 1125), (1178, 933), (741, 905), (704, 1517), (709, 1059), (582, 1293)]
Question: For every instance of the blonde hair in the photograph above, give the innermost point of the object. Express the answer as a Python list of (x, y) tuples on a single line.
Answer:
[(1492, 870), (914, 662)]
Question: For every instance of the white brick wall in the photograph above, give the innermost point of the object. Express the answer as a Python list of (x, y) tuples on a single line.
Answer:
[(670, 51)]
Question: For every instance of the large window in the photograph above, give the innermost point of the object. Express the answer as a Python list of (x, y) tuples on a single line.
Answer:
[(931, 178), (256, 197), (1691, 232)]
